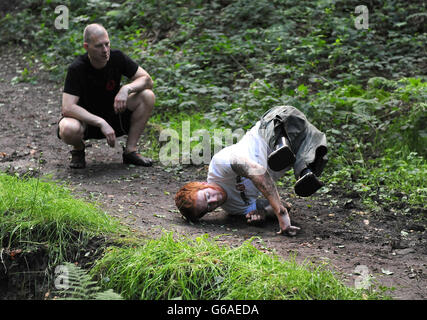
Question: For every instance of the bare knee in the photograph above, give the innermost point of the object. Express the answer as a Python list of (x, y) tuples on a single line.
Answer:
[(148, 98), (142, 100), (71, 131)]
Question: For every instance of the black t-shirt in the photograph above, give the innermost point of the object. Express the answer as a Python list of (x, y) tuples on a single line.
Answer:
[(97, 88)]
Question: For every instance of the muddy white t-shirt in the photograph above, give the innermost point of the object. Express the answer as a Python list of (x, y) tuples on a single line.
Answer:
[(253, 147)]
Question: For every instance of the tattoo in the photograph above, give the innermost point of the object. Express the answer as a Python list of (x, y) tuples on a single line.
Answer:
[(266, 186), (257, 174), (240, 167)]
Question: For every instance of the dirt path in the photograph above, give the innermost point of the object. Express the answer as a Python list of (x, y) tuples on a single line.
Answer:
[(390, 247)]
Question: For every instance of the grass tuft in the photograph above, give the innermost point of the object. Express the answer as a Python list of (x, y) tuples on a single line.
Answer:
[(34, 212), (188, 269)]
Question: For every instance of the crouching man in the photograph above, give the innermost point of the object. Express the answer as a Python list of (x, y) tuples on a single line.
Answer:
[(96, 106)]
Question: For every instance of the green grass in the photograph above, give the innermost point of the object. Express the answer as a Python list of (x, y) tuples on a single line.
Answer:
[(200, 268), (35, 212), (393, 180)]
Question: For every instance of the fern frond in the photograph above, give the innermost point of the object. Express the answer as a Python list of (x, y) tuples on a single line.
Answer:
[(78, 285), (107, 295)]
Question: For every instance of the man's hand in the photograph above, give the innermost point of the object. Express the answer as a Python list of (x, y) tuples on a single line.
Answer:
[(109, 133), (285, 223), (255, 217), (121, 99)]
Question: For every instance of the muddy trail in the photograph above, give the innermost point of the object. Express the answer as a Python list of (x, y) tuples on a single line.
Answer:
[(388, 246)]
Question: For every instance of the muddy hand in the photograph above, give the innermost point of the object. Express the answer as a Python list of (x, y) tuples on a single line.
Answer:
[(289, 231), (255, 217), (285, 224)]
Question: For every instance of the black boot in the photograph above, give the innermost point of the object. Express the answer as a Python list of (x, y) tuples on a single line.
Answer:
[(282, 156), (319, 161), (307, 184)]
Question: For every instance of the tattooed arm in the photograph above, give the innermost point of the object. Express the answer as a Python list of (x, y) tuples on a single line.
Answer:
[(264, 183)]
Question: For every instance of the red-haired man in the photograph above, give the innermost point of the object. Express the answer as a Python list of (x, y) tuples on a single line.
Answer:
[(239, 173)]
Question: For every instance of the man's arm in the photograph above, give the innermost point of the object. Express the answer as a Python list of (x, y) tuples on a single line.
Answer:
[(139, 82), (72, 110), (265, 184)]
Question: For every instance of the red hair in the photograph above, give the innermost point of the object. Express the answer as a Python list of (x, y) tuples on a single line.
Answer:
[(185, 199)]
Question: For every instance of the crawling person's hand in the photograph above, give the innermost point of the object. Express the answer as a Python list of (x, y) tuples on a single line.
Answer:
[(255, 217), (285, 224), (290, 231)]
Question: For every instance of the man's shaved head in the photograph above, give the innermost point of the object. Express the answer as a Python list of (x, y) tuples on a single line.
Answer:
[(97, 44), (91, 30)]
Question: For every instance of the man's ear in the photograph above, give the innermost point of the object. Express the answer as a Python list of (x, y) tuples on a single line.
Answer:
[(85, 45)]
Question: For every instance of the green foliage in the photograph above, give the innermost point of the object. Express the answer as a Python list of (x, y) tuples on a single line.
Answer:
[(80, 286), (385, 114), (386, 182), (169, 268), (220, 42), (377, 141), (34, 212)]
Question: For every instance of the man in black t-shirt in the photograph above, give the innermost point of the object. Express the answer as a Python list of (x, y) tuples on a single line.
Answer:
[(96, 106)]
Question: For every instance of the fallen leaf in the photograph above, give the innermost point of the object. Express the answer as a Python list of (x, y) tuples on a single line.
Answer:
[(404, 233), (362, 213), (386, 272)]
